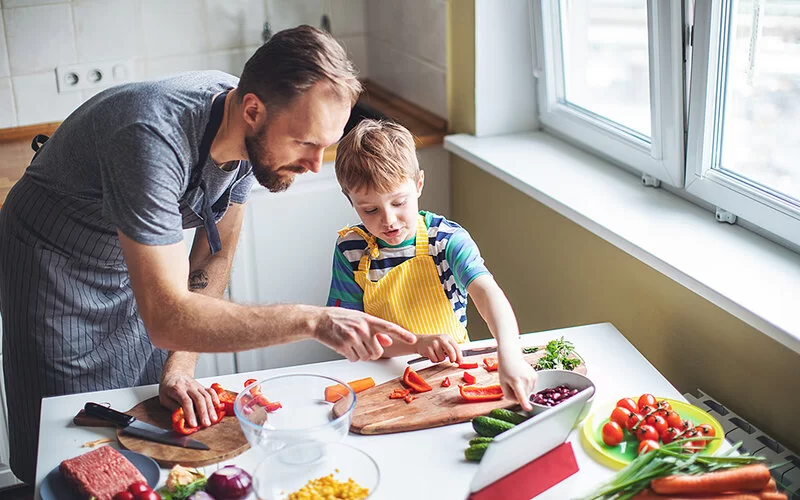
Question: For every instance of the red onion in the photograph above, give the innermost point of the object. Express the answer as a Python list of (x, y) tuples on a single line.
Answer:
[(229, 483)]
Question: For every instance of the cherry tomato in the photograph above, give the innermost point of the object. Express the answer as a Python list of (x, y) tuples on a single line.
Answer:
[(629, 404), (648, 445), (138, 488), (663, 405), (612, 433), (646, 432), (706, 430), (693, 446), (620, 415), (646, 400), (658, 422), (647, 410), (123, 495), (633, 421), (669, 435), (686, 425), (673, 419), (148, 495)]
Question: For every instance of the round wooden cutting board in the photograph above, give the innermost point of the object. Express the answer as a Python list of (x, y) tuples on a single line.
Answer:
[(224, 439)]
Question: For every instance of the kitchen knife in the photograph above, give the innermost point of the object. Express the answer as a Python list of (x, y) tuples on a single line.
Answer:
[(141, 429), (464, 353)]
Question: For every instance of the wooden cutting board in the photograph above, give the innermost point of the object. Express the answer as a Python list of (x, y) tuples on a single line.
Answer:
[(375, 413), (225, 439)]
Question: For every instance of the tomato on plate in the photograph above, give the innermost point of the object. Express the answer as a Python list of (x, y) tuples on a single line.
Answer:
[(633, 421), (620, 415), (612, 433), (648, 445), (658, 422), (672, 418), (646, 433), (646, 400), (669, 435), (706, 430), (629, 404)]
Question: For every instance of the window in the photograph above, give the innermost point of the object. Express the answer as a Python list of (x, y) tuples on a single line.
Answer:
[(612, 78), (744, 129)]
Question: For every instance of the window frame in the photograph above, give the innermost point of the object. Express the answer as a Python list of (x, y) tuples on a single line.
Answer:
[(663, 156), (703, 144)]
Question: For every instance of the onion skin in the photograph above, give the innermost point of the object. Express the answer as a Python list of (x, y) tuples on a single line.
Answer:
[(229, 483)]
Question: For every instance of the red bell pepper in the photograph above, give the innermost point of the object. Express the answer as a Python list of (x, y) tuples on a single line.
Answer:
[(468, 366), (226, 397), (481, 392), (179, 423), (446, 382), (490, 364), (415, 381), (469, 378), (409, 398), (399, 393)]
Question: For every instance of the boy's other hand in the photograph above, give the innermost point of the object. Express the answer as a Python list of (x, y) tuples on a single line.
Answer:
[(437, 348), (517, 377), (356, 335)]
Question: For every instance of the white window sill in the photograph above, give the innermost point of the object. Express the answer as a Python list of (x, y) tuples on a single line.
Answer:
[(745, 274)]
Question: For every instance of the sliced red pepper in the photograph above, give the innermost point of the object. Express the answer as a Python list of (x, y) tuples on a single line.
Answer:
[(409, 398), (255, 391), (415, 381), (469, 378), (270, 407), (226, 398), (468, 366), (179, 423), (490, 364), (481, 392), (446, 382), (399, 393)]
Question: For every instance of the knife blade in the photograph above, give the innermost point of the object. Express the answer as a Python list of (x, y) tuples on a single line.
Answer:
[(464, 353), (130, 425)]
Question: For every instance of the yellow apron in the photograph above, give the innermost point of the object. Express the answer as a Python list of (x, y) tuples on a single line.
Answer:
[(411, 294)]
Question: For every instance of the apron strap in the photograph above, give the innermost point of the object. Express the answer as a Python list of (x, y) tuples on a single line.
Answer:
[(38, 142), (422, 237), (372, 246), (209, 224)]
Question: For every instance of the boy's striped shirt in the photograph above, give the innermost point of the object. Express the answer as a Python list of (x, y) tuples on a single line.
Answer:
[(455, 254)]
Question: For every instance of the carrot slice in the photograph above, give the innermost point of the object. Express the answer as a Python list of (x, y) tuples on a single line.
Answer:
[(747, 478), (334, 393)]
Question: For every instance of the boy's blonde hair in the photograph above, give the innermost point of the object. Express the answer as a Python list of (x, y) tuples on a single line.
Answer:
[(376, 154)]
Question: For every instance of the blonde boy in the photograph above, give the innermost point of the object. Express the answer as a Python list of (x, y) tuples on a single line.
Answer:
[(412, 267)]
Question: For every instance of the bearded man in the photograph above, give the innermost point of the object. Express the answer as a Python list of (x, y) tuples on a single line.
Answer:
[(96, 291)]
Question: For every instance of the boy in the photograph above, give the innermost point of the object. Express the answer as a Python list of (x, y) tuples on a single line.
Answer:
[(415, 268)]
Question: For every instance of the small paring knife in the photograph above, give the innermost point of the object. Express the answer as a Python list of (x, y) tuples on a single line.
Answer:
[(464, 353), (130, 425)]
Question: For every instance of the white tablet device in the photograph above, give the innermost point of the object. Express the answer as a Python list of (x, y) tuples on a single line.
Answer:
[(529, 440)]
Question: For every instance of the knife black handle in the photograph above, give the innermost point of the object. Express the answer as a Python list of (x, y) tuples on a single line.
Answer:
[(116, 417)]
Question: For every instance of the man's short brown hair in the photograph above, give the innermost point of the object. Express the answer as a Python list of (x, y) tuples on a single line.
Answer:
[(377, 155), (292, 61)]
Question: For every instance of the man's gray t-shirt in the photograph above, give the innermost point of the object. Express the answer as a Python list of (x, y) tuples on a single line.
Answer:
[(134, 147)]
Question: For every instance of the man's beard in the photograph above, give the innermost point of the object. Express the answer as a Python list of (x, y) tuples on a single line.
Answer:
[(263, 170)]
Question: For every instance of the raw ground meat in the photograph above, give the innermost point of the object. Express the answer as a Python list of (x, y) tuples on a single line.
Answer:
[(100, 473)]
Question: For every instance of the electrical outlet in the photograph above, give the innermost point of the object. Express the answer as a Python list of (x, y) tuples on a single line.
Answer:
[(93, 76)]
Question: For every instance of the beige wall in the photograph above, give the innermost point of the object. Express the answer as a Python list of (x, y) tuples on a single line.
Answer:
[(557, 274)]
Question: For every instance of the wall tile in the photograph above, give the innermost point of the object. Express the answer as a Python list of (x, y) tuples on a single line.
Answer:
[(347, 17), (425, 34), (164, 66), (4, 71), (356, 47), (105, 29), (235, 24), (283, 14), (385, 20), (229, 61), (172, 28), (39, 38), (8, 117), (38, 101), (8, 4)]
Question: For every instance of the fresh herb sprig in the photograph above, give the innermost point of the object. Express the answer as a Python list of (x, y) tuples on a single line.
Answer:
[(560, 354), (668, 460)]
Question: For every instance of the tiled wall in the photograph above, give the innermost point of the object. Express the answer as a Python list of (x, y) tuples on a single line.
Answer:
[(160, 36), (407, 49)]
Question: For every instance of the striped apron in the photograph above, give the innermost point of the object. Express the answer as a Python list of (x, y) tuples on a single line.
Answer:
[(70, 321), (410, 294)]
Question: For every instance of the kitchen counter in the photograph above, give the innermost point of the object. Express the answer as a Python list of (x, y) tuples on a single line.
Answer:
[(437, 454), (428, 129)]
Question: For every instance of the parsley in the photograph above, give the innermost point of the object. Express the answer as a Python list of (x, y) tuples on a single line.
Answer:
[(559, 355)]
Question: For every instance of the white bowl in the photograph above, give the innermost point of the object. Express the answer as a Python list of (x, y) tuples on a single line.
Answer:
[(289, 469), (553, 378)]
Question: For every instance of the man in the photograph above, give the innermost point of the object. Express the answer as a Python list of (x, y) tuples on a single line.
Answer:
[(93, 270)]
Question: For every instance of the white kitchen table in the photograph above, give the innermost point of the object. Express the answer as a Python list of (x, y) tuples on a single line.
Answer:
[(420, 464)]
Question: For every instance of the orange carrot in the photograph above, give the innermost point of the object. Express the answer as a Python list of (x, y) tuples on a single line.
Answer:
[(771, 486), (772, 495), (748, 478), (649, 495), (334, 393)]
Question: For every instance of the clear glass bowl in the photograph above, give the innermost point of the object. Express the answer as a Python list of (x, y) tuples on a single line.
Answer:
[(286, 471), (304, 416)]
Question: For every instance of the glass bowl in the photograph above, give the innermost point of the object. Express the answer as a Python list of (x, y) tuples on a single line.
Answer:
[(287, 470), (304, 414), (553, 378)]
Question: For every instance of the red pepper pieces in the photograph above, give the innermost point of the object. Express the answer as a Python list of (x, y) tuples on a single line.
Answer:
[(179, 423), (481, 392), (490, 364), (413, 380), (409, 398), (446, 382), (227, 398), (468, 366), (399, 393), (469, 378)]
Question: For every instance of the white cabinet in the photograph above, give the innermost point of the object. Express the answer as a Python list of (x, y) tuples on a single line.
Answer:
[(285, 255)]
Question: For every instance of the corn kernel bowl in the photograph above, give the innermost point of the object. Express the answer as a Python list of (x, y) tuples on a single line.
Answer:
[(320, 468)]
